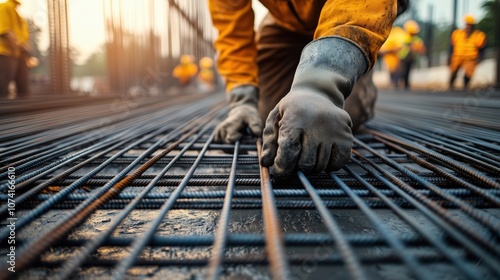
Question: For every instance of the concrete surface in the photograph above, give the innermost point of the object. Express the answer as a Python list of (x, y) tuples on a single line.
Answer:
[(437, 78)]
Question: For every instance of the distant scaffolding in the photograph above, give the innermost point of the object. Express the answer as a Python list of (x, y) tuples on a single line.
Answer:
[(144, 39), (59, 50)]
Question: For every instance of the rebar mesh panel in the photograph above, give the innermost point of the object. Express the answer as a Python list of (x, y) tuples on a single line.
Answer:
[(146, 193)]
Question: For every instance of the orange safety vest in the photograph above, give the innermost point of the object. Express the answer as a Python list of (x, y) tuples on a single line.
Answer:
[(184, 72), (467, 47)]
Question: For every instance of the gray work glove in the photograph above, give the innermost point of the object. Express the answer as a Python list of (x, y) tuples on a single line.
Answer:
[(309, 129), (243, 113), (361, 102)]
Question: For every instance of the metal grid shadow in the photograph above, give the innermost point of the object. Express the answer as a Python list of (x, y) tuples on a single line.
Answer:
[(149, 195)]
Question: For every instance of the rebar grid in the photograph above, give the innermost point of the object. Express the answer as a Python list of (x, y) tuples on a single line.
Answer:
[(148, 194)]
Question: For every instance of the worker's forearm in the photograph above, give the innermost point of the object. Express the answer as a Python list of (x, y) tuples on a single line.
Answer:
[(235, 43), (9, 37), (11, 40), (365, 23)]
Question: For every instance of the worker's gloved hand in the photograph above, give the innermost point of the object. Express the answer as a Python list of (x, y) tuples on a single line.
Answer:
[(309, 130), (243, 113), (361, 103)]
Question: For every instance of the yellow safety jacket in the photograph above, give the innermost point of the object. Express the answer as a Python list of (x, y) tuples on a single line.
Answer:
[(412, 45), (11, 21), (467, 47), (391, 48), (364, 23)]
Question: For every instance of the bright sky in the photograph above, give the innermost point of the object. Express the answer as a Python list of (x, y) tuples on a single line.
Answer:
[(87, 32), (443, 11), (86, 23)]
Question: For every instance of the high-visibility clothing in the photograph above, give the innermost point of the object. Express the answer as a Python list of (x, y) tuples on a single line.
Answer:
[(184, 72), (467, 47), (390, 49), (364, 23), (468, 65), (12, 22), (391, 62), (412, 45), (207, 75)]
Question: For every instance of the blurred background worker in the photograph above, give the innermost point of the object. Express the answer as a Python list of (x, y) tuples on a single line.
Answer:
[(186, 70), (297, 73), (390, 53), (412, 47), (206, 75), (14, 50), (467, 50)]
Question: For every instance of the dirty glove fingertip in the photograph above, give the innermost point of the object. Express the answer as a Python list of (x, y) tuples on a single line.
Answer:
[(267, 155), (218, 134)]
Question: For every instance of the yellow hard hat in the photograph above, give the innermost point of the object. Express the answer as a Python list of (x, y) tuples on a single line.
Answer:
[(469, 20), (206, 62), (412, 27), (186, 58)]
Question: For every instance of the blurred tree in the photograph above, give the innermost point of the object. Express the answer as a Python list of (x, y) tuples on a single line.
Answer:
[(74, 53), (95, 65), (35, 32), (441, 37), (487, 23)]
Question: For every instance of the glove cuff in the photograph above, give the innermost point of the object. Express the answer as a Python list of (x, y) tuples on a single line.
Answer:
[(243, 95), (331, 65)]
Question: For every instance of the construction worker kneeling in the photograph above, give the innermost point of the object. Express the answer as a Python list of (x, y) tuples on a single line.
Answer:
[(306, 74)]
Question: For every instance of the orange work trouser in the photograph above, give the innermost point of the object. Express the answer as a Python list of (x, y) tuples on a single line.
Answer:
[(468, 64)]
